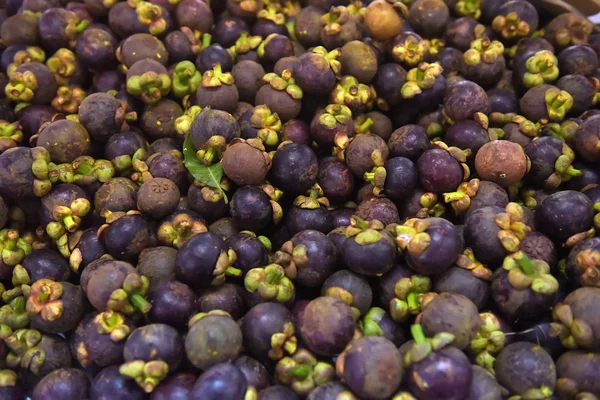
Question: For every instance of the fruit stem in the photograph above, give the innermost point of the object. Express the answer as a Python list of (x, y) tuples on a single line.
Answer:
[(417, 333), (300, 372), (411, 299), (525, 263), (140, 303), (571, 171), (231, 271)]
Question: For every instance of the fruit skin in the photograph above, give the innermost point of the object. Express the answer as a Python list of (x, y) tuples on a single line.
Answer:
[(223, 381), (66, 383), (464, 99), (155, 342), (212, 340), (459, 280), (294, 169), (372, 367), (439, 172), (110, 384), (176, 387), (523, 366), (327, 325), (452, 313), (382, 21), (564, 214), (576, 371), (502, 162), (446, 373)]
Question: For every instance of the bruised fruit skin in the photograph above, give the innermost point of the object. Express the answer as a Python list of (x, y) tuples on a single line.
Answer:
[(66, 383), (502, 162), (327, 325), (372, 367)]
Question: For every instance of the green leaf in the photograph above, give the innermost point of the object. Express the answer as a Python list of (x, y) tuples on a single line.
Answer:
[(208, 175)]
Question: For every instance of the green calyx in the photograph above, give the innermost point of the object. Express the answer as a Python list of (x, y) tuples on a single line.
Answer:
[(21, 87), (87, 170), (223, 267), (212, 151), (113, 324), (176, 232), (512, 227), (434, 46), (186, 79), (564, 170), (246, 43), (184, 123), (334, 114), (63, 65), (284, 82), (468, 8), (216, 77), (409, 294), (431, 206), (333, 21), (150, 86), (467, 261), (272, 12), (510, 26), (30, 54), (249, 6), (410, 51), (267, 123), (572, 332), (14, 314), (558, 104), (542, 68), (461, 199), (13, 248), (45, 300), (302, 372), (146, 374), (313, 200), (274, 196), (270, 282), (331, 57), (284, 342), (423, 346), (351, 93), (483, 50), (75, 27), (11, 131), (369, 324), (151, 15), (412, 236), (543, 392), (488, 342), (564, 131), (588, 264), (130, 298), (68, 99), (420, 78), (24, 352), (376, 178), (363, 124), (524, 273), (363, 232), (67, 219), (8, 378)]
